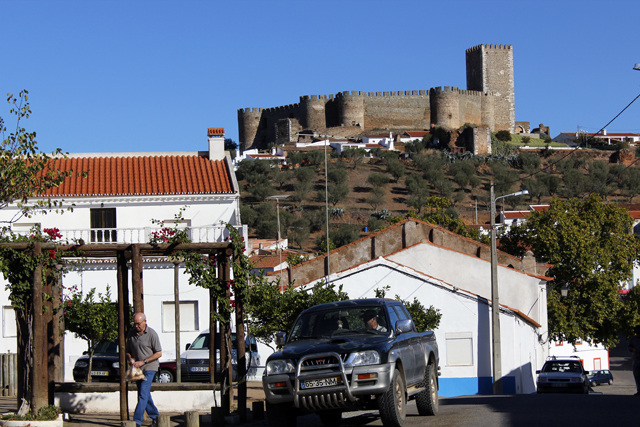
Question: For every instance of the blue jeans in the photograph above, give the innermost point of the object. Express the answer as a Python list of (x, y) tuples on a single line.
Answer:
[(145, 402)]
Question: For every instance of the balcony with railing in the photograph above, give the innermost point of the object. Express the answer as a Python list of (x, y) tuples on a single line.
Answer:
[(211, 234)]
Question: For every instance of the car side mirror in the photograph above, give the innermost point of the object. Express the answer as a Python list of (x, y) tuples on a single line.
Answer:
[(254, 348), (281, 338), (84, 353), (538, 371), (404, 325), (186, 347)]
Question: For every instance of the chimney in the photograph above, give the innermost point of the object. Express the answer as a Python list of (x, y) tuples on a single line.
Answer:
[(604, 132), (216, 143)]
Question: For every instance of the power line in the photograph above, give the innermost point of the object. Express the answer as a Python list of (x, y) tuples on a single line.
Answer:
[(577, 147)]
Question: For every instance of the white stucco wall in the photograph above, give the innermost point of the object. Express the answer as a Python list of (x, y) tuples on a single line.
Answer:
[(463, 314)]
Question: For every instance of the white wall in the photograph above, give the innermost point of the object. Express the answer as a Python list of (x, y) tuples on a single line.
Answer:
[(463, 314)]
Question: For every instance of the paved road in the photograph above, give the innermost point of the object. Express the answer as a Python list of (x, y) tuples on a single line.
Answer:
[(606, 406)]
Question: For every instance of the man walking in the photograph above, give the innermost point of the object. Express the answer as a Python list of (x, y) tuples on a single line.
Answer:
[(634, 348), (143, 351)]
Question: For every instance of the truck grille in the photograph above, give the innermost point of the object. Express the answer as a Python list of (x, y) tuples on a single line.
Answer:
[(323, 361)]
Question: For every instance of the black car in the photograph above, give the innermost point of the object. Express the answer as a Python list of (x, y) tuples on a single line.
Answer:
[(106, 366)]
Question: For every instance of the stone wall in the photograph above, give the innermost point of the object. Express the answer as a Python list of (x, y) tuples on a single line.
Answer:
[(488, 100), (393, 239)]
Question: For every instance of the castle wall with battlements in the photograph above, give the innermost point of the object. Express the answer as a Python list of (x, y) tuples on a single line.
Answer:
[(489, 100)]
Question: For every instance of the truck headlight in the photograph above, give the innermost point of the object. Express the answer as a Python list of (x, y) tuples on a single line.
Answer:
[(183, 361), (275, 367), (116, 365), (362, 358), (81, 364)]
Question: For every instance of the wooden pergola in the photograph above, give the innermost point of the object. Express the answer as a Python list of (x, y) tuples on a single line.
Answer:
[(48, 339)]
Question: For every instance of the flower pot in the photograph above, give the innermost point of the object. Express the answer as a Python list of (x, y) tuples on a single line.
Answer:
[(24, 423)]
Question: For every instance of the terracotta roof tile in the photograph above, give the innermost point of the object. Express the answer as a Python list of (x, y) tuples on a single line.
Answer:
[(113, 176)]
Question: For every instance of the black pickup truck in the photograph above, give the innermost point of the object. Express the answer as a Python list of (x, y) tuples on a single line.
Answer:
[(349, 356)]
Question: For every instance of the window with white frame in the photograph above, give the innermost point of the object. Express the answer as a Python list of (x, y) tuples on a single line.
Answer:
[(188, 316), (9, 328), (459, 348)]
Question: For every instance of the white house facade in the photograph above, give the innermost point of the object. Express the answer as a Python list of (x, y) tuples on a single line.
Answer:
[(116, 203), (459, 286)]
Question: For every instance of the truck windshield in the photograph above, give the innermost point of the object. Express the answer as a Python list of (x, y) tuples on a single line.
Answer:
[(332, 322)]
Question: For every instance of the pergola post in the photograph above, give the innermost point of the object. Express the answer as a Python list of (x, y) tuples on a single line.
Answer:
[(40, 373), (242, 360), (136, 279), (123, 306), (226, 392)]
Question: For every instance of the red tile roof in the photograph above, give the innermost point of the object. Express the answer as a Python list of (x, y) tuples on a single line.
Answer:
[(417, 133), (516, 214), (135, 176)]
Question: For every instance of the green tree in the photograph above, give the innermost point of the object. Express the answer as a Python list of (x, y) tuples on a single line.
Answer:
[(503, 135), (280, 177), (529, 162), (24, 170), (396, 169), (337, 193), (376, 179), (591, 250), (92, 320), (295, 259), (630, 182), (338, 175), (354, 156), (574, 183), (271, 309), (425, 319), (376, 197), (299, 231), (231, 146)]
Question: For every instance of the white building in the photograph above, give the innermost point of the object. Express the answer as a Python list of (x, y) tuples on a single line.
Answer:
[(454, 276), (117, 202)]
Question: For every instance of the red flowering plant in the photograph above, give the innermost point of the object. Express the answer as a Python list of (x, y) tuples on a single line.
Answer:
[(18, 267), (175, 234)]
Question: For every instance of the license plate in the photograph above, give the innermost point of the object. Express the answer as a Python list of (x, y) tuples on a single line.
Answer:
[(99, 373), (559, 385), (325, 382), (200, 369)]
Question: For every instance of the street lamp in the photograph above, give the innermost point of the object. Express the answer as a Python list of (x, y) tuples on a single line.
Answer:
[(637, 67), (495, 298), (277, 198)]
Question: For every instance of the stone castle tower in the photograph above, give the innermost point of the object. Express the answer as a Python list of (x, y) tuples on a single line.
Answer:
[(488, 100), (490, 69)]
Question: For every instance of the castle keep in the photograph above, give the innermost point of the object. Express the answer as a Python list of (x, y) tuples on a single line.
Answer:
[(489, 100)]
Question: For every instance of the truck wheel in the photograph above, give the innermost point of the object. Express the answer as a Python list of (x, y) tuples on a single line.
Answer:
[(330, 418), (392, 404), (427, 400), (281, 415)]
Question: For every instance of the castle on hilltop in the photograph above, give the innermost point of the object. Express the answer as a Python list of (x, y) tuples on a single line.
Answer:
[(489, 100)]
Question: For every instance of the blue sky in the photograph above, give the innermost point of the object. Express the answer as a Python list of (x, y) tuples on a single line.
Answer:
[(113, 76)]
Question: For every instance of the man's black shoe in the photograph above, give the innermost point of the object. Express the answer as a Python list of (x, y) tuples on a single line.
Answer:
[(154, 423)]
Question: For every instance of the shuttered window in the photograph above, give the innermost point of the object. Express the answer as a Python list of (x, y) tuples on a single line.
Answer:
[(459, 349)]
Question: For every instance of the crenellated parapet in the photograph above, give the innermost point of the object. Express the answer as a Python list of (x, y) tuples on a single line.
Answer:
[(488, 100)]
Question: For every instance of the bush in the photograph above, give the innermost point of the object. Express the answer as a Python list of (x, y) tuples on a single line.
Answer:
[(503, 135)]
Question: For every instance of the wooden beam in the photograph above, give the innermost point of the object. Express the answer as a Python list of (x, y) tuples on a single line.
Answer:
[(40, 373), (241, 356), (136, 279), (122, 303)]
